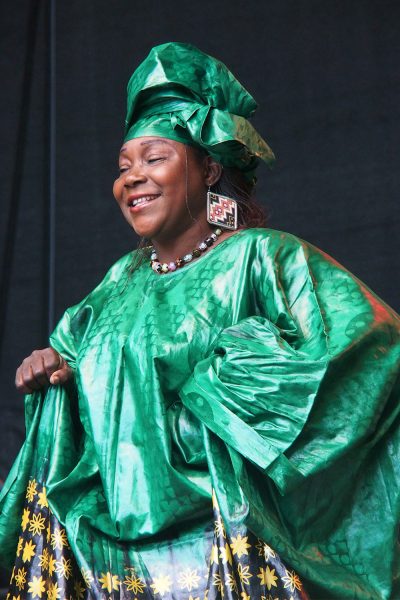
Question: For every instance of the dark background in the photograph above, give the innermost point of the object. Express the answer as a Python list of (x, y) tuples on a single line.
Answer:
[(325, 74)]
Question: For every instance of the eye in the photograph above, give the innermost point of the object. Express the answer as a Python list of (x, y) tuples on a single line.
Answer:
[(122, 170), (153, 159)]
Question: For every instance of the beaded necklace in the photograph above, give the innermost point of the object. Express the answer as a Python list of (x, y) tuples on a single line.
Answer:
[(181, 262)]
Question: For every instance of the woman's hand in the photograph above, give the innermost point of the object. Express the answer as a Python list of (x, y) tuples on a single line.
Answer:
[(41, 368)]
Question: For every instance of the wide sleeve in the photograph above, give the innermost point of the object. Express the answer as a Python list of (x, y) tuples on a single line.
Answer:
[(255, 391), (63, 340), (70, 331), (300, 408), (55, 439), (306, 380)]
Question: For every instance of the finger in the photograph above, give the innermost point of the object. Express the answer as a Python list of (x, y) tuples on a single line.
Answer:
[(18, 378), (19, 383), (33, 374), (27, 376), (62, 375), (35, 380), (24, 389), (52, 361), (39, 372), (33, 371), (27, 384), (57, 375)]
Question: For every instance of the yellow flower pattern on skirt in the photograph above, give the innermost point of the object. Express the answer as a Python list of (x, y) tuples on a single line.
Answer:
[(44, 567), (238, 566)]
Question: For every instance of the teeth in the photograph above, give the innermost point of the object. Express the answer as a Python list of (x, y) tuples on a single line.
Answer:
[(142, 199)]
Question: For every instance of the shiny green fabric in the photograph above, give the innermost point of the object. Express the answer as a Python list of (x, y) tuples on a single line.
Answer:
[(180, 93), (264, 370)]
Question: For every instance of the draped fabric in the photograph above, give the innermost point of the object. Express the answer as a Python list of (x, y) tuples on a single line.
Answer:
[(183, 94), (234, 567), (263, 371)]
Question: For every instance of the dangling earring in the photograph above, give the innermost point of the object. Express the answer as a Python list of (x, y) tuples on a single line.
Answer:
[(221, 210)]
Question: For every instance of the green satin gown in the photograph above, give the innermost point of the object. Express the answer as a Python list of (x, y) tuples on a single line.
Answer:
[(243, 408)]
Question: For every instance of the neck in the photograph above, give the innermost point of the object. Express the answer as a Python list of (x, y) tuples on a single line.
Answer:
[(170, 250)]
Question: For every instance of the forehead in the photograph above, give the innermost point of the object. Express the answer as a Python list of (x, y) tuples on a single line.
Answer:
[(144, 142)]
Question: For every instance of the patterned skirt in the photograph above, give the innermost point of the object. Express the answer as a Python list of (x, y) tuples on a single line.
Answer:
[(238, 566)]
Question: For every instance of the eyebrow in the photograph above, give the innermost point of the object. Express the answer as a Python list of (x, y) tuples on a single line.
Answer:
[(157, 141), (148, 142)]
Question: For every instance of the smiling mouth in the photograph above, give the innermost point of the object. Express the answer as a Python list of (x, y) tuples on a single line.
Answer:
[(142, 200)]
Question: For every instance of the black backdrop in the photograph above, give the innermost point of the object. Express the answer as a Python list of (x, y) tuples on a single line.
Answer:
[(325, 74)]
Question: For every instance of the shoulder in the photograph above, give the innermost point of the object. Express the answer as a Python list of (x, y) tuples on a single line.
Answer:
[(279, 245), (115, 273), (297, 266), (282, 245), (267, 237), (78, 317), (120, 266), (114, 277), (291, 263)]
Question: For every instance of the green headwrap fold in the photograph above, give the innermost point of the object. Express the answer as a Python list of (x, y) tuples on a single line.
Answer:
[(180, 93)]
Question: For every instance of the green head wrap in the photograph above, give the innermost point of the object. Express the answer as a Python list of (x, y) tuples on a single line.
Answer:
[(180, 93)]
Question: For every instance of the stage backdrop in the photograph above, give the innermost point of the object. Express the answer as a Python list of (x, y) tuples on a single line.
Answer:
[(325, 75)]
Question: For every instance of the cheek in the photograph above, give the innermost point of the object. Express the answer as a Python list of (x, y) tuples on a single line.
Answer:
[(117, 189)]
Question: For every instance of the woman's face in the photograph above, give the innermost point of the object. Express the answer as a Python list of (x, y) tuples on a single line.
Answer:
[(159, 179)]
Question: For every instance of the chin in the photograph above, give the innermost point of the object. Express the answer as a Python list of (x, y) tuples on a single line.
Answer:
[(142, 227), (144, 231)]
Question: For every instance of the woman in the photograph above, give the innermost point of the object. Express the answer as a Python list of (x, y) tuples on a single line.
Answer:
[(227, 423)]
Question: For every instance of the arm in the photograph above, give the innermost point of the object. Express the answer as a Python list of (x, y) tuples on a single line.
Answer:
[(56, 364), (301, 414), (307, 380), (41, 368)]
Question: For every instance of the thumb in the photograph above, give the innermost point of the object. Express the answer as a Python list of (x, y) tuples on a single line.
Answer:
[(61, 375)]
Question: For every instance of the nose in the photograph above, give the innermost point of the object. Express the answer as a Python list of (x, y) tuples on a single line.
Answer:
[(133, 176)]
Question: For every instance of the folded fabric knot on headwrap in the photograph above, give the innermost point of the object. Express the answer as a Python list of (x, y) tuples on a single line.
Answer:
[(180, 93)]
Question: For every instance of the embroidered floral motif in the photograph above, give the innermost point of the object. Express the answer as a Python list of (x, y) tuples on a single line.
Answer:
[(162, 584), (268, 577), (36, 587), (239, 545), (134, 583), (43, 569), (237, 566), (109, 582), (31, 490), (189, 579), (292, 581)]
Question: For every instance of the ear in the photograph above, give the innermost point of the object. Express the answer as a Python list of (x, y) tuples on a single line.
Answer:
[(213, 171)]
